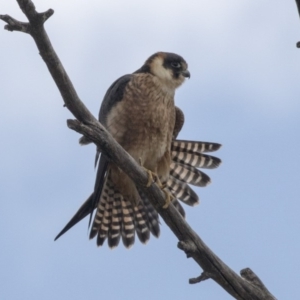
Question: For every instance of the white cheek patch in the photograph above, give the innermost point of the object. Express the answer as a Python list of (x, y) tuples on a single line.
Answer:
[(159, 70)]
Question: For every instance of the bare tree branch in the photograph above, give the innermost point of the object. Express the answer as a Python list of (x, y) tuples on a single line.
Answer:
[(298, 6), (247, 287), (252, 278)]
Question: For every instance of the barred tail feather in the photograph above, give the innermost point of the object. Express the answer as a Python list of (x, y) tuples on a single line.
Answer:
[(114, 234), (128, 229), (151, 215), (100, 211), (106, 222), (141, 223), (195, 159), (116, 218), (189, 174), (182, 191), (194, 147)]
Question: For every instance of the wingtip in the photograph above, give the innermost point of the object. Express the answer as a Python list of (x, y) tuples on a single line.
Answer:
[(65, 229), (82, 212), (59, 235)]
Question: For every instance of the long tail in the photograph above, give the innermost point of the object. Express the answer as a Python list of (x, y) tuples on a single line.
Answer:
[(116, 218)]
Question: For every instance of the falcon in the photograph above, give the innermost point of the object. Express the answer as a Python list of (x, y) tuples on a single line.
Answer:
[(139, 111)]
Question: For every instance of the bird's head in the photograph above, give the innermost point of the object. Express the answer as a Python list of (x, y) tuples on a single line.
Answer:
[(170, 68)]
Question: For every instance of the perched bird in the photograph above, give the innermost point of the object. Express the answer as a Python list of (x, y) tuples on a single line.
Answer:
[(139, 111)]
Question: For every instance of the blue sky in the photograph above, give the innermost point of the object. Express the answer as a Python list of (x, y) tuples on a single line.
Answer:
[(243, 92)]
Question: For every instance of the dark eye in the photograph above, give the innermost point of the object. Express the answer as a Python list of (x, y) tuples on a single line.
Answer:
[(176, 65)]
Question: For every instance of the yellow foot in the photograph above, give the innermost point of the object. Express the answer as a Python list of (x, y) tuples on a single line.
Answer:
[(169, 198), (152, 177)]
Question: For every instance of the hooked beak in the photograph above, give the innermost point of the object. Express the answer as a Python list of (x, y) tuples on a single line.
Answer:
[(186, 73)]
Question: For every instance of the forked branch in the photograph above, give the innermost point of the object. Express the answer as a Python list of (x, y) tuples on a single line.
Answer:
[(247, 287)]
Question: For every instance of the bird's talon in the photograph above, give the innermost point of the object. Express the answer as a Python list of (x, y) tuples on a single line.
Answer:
[(158, 182), (150, 178), (169, 198), (163, 185)]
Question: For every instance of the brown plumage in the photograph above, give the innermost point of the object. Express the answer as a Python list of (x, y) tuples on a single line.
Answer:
[(139, 111)]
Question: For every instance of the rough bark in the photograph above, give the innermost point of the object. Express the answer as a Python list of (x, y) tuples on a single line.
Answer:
[(248, 285)]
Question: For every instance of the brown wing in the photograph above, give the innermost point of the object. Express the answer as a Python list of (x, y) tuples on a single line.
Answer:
[(179, 121)]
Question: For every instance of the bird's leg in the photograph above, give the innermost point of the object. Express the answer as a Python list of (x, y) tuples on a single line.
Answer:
[(153, 177), (150, 177), (169, 198)]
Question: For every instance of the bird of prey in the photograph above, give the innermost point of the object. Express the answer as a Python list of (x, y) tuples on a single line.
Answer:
[(139, 111)]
